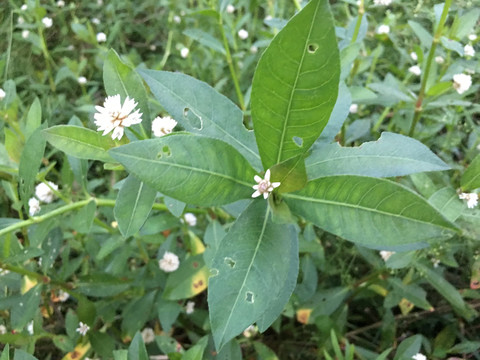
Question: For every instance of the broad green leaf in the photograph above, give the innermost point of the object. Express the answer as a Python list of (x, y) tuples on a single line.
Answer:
[(290, 173), (30, 162), (248, 275), (119, 78), (137, 350), (423, 35), (447, 202), (465, 347), (391, 155), (134, 202), (201, 109), (136, 313), (376, 213), (5, 352), (120, 355), (188, 280), (471, 176), (23, 355), (338, 116), (452, 45), (34, 118), (168, 312), (295, 85), (214, 235), (102, 285), (51, 247), (408, 348), (13, 144), (24, 310), (174, 206), (190, 168), (413, 293), (196, 351), (80, 142), (205, 39), (465, 24), (264, 352)]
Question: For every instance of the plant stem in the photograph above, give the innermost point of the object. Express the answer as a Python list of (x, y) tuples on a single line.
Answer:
[(168, 47), (431, 54), (46, 55), (297, 5), (361, 12)]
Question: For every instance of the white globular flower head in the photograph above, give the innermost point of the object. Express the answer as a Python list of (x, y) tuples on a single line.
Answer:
[(47, 22), (24, 7), (419, 356), (60, 3), (163, 125), (184, 52), (82, 328), (414, 56), (190, 307), (250, 331), (45, 192), (472, 199), (353, 109), (33, 206), (82, 80), (415, 70), (169, 262), (243, 34), (439, 59), (253, 49), (383, 29), (472, 37), (114, 116), (264, 186), (96, 21), (462, 82), (30, 328), (468, 50), (63, 296), (382, 2), (230, 9), (25, 34), (2, 94), (101, 37), (190, 219), (386, 254), (3, 329), (148, 335), (177, 19)]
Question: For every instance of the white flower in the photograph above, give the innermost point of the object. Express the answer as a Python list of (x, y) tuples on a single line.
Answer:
[(230, 9), (472, 37), (242, 34), (63, 296), (2, 94), (382, 2), (177, 19), (468, 50), (190, 219), (101, 37), (415, 70), (435, 262), (419, 356), (114, 116), (60, 3), (148, 335), (253, 49), (99, 2), (30, 327), (24, 7), (268, 18), (462, 82), (3, 330), (48, 22), (264, 186), (414, 56), (386, 254), (472, 199), (45, 193), (383, 29), (25, 34), (250, 331), (20, 20), (169, 262), (163, 126), (82, 328), (184, 52), (33, 206), (82, 80), (189, 308), (439, 60), (153, 47), (353, 108), (96, 21)]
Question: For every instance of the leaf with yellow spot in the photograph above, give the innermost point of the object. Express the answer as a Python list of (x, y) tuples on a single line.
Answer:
[(405, 306), (27, 284), (303, 315), (190, 279), (78, 353), (196, 244)]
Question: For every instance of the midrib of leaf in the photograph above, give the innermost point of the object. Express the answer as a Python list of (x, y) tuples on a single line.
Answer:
[(121, 81), (284, 130), (368, 156), (205, 116), (180, 166), (260, 238), (358, 207), (135, 206), (63, 137)]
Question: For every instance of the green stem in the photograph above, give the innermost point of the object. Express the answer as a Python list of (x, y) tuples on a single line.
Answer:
[(9, 49), (46, 55), (168, 47), (380, 119), (361, 12), (297, 5), (431, 55)]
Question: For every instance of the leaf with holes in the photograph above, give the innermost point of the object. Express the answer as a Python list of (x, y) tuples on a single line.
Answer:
[(188, 280), (190, 168), (248, 275), (375, 213), (201, 109), (295, 85)]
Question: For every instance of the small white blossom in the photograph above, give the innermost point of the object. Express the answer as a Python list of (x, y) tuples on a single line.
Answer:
[(45, 193), (439, 59), (184, 52), (435, 262), (4, 272), (82, 80), (230, 9), (468, 50), (386, 254), (242, 34), (253, 49), (101, 37), (153, 47), (30, 327), (472, 37), (268, 18), (190, 219), (419, 356), (48, 22), (148, 335), (163, 125), (462, 82), (353, 108), (250, 331), (169, 262), (25, 34), (472, 199), (96, 21), (82, 328), (60, 3), (382, 2), (264, 186), (3, 329), (2, 94), (99, 2), (63, 296), (114, 116), (177, 19), (20, 20), (383, 29), (24, 7), (415, 70), (33, 206), (190, 307), (414, 56)]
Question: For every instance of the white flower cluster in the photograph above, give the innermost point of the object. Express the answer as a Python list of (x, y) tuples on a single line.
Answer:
[(419, 356), (148, 335), (468, 50), (382, 2), (163, 125), (386, 254), (169, 262), (462, 82), (243, 34), (383, 29), (415, 70), (471, 198), (43, 192), (190, 307)]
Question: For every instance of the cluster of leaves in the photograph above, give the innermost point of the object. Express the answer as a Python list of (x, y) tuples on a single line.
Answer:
[(277, 263)]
